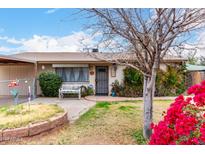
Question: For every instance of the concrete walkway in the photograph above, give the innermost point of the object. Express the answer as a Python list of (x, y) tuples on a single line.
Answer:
[(112, 99), (74, 107)]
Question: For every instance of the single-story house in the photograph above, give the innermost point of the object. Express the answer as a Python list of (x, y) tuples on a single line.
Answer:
[(73, 67)]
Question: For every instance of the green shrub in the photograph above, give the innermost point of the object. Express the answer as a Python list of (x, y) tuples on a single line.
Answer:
[(90, 91), (132, 77), (168, 83), (171, 82), (133, 83), (50, 83), (87, 90), (117, 88)]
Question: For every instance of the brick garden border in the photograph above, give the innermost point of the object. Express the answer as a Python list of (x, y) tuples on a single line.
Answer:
[(33, 129)]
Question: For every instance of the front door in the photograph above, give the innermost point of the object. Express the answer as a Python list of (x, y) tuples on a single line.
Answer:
[(101, 80)]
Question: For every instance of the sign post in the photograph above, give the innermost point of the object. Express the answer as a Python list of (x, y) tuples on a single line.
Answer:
[(29, 96), (14, 91)]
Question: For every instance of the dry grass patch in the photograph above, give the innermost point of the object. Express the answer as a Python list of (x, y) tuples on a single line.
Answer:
[(20, 115), (106, 123)]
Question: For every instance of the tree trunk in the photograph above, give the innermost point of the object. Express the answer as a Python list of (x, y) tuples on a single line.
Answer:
[(148, 95)]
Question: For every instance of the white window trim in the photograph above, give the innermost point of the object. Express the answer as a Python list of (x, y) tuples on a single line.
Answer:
[(69, 65)]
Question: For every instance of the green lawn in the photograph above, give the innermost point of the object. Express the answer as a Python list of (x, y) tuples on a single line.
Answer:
[(106, 123)]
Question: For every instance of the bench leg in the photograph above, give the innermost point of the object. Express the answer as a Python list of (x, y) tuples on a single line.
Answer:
[(79, 95), (60, 95)]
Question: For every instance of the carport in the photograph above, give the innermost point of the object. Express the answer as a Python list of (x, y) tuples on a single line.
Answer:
[(14, 69)]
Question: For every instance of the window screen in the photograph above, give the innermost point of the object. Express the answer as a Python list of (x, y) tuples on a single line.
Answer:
[(73, 74)]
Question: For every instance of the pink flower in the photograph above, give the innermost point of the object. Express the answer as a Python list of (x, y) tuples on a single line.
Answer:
[(183, 122)]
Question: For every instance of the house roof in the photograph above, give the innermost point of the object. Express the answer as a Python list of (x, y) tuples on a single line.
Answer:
[(81, 57), (56, 56), (190, 67), (9, 59)]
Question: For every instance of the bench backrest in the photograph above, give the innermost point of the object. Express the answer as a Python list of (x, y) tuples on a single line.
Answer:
[(70, 87)]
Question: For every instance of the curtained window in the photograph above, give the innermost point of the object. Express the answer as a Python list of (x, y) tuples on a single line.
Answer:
[(73, 74)]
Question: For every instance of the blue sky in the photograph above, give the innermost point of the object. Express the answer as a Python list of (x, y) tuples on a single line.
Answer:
[(46, 30), (21, 27), (26, 22)]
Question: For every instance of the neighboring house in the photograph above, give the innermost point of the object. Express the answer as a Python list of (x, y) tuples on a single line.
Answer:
[(196, 74), (73, 67)]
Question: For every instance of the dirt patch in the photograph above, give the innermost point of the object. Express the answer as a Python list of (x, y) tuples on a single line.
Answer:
[(107, 123)]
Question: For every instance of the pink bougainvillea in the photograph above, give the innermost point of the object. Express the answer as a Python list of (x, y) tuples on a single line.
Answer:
[(184, 121)]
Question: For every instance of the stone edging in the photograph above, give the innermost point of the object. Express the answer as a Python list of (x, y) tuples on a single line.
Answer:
[(33, 129)]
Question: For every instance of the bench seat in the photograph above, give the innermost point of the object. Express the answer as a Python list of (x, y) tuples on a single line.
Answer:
[(70, 89)]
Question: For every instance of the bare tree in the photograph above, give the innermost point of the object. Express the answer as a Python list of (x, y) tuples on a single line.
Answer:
[(144, 37), (202, 60)]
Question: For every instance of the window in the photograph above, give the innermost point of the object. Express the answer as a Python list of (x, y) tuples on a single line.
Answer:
[(101, 70), (73, 74)]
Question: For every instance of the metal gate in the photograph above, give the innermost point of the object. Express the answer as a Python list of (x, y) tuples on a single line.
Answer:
[(22, 88), (101, 80)]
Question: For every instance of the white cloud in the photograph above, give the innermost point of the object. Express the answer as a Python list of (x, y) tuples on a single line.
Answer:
[(49, 43), (76, 41), (13, 41), (50, 11), (69, 43), (201, 44), (4, 50), (3, 37)]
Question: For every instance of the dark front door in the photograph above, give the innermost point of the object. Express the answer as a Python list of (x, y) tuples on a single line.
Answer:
[(101, 80)]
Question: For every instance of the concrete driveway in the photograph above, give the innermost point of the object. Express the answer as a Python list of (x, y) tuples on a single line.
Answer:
[(74, 107), (8, 100)]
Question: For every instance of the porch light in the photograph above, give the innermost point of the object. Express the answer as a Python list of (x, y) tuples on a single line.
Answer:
[(91, 67), (113, 70), (43, 67)]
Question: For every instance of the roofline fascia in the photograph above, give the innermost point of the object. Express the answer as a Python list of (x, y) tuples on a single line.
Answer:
[(17, 59)]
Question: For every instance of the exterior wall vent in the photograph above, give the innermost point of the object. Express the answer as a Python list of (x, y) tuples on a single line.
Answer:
[(95, 50)]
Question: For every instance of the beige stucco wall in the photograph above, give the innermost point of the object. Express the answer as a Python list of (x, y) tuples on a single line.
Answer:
[(119, 76), (163, 67), (92, 76), (92, 68), (47, 67), (13, 72)]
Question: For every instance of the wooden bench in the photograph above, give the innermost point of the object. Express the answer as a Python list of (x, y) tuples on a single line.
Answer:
[(70, 89)]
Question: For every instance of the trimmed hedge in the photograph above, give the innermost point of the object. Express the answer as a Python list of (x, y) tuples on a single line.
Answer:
[(50, 83)]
